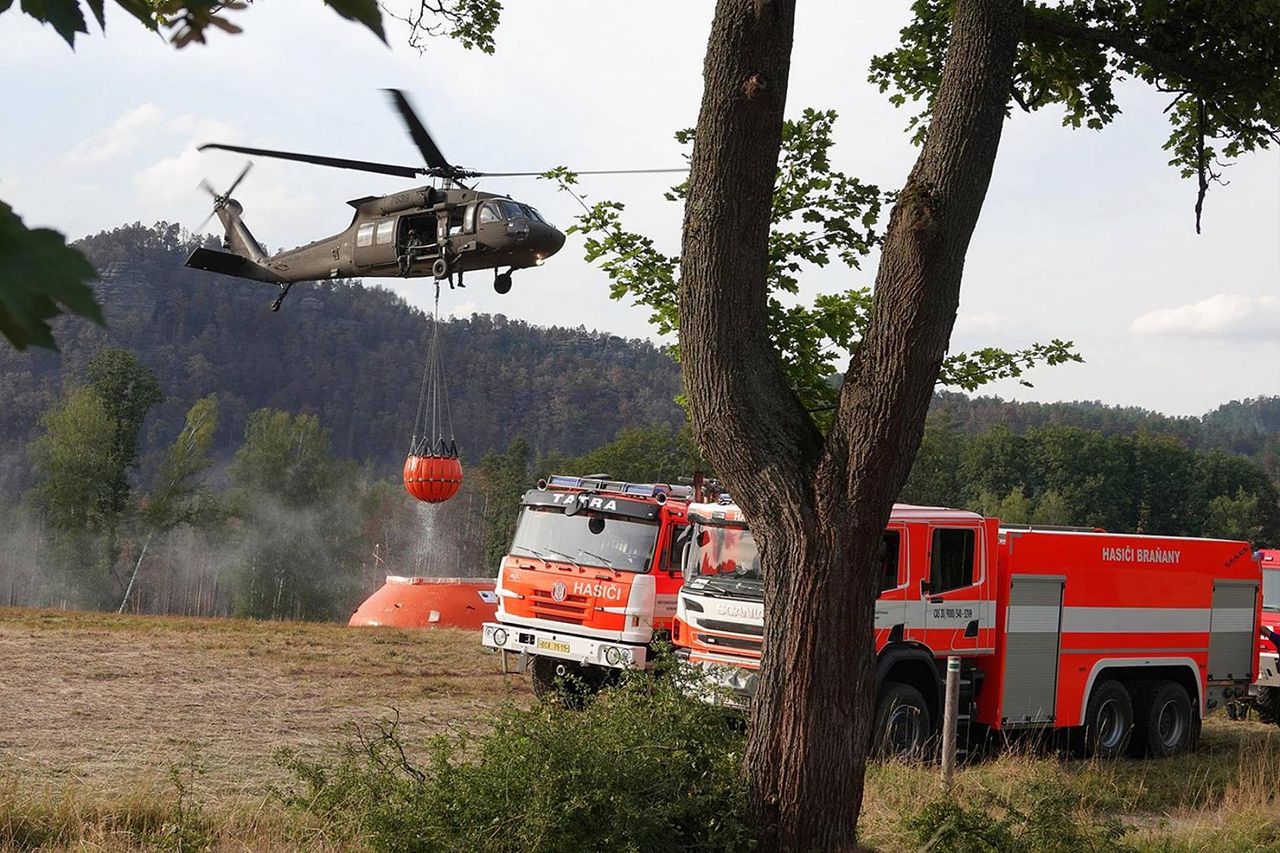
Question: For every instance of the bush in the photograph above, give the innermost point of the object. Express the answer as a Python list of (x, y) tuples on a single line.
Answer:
[(1051, 820), (642, 767)]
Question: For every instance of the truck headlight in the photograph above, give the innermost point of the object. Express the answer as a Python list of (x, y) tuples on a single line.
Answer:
[(613, 655), (499, 637)]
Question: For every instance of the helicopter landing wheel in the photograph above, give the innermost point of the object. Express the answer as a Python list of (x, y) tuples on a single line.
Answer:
[(502, 282), (440, 268)]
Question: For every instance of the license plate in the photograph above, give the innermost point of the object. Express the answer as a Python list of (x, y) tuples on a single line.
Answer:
[(553, 646)]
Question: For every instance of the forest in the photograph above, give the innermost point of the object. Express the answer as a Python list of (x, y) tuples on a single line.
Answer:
[(202, 456)]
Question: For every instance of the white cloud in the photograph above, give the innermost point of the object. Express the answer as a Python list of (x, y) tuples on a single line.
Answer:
[(1223, 315), (125, 134), (981, 321)]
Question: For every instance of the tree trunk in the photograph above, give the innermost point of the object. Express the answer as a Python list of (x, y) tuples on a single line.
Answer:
[(818, 506)]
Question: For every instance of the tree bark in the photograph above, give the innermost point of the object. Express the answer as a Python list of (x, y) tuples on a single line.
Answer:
[(818, 506)]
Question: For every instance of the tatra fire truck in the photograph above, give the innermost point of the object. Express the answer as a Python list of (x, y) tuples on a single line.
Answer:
[(1126, 640), (591, 576)]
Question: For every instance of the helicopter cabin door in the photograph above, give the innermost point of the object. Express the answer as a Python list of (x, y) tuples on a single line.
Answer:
[(376, 243)]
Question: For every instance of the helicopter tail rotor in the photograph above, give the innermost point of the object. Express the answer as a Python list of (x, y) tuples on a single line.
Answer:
[(220, 200)]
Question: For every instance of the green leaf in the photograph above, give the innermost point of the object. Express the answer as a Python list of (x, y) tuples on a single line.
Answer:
[(63, 15), (365, 12), (40, 277)]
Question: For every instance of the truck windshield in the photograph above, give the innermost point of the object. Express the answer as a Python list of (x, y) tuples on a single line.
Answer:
[(718, 551), (586, 539), (1271, 589)]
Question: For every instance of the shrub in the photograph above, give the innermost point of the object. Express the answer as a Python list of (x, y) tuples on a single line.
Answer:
[(1050, 820), (641, 767)]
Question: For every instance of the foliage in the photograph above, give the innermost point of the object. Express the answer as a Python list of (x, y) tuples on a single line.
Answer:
[(183, 21), (1050, 821), (564, 389), (74, 460), (40, 277), (1068, 475), (657, 454), (1217, 60), (504, 478), (129, 390), (299, 542), (820, 215), (470, 22), (286, 457), (643, 767), (178, 495)]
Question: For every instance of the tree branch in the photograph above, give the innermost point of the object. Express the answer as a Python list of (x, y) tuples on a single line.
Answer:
[(1055, 22)]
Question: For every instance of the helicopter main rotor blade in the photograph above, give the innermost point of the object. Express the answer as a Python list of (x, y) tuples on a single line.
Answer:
[(587, 172), (418, 132), (335, 162), (239, 178)]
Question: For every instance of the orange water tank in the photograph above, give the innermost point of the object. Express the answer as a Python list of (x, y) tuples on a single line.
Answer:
[(432, 479), (429, 603)]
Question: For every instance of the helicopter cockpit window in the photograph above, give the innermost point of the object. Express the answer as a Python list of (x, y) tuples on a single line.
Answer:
[(532, 213), (457, 220), (489, 213), (386, 230), (511, 210), (364, 235), (469, 220)]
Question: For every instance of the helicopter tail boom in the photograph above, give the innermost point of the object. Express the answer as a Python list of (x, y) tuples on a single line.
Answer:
[(211, 260)]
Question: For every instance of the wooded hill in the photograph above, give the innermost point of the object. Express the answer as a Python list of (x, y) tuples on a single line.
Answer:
[(350, 354), (353, 355)]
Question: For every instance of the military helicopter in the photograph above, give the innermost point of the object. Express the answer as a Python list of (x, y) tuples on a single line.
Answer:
[(438, 231)]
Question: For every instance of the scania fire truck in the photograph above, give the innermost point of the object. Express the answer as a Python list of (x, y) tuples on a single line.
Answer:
[(1126, 640), (591, 576)]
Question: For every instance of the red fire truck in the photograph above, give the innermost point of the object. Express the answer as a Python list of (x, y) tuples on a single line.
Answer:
[(591, 575), (1127, 640), (1267, 691)]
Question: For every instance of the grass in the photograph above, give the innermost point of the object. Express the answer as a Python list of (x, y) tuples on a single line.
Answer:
[(126, 733)]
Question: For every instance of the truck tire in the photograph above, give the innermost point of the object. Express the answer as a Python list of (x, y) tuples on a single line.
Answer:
[(1163, 720), (562, 681), (1268, 704), (1108, 721), (903, 726)]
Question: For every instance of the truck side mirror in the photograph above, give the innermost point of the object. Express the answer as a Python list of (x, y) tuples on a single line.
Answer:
[(925, 587)]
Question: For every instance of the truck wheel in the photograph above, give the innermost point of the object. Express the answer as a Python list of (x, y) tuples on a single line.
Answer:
[(1164, 720), (1268, 704), (563, 681), (542, 674), (902, 726), (1108, 721)]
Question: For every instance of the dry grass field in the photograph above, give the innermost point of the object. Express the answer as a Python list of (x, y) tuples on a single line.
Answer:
[(96, 710), (111, 726)]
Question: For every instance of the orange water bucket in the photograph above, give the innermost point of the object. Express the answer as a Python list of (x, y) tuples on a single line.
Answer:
[(429, 603)]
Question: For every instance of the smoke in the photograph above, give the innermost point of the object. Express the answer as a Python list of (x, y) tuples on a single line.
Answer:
[(248, 555)]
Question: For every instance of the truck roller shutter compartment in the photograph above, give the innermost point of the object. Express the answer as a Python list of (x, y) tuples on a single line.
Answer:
[(1232, 630), (1031, 652)]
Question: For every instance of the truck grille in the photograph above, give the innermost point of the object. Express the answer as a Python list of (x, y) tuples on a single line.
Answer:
[(745, 643), (732, 627), (572, 610)]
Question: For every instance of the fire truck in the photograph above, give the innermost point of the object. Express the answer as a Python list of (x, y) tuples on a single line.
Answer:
[(1125, 640), (1267, 691), (591, 577)]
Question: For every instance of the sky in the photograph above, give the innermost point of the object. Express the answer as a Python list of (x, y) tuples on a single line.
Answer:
[(1084, 236)]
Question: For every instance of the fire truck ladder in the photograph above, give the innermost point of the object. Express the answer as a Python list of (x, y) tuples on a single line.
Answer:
[(964, 713)]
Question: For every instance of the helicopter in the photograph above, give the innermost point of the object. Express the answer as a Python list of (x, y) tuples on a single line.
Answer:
[(436, 231)]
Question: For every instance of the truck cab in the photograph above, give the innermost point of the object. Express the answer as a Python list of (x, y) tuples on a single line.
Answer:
[(590, 578)]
